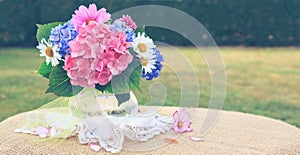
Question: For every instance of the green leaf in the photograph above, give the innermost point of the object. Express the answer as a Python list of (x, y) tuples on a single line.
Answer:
[(134, 82), (44, 31), (129, 79), (106, 88), (59, 83), (132, 52), (140, 29), (44, 69)]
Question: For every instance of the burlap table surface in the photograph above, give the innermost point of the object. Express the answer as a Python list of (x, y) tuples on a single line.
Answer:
[(234, 133)]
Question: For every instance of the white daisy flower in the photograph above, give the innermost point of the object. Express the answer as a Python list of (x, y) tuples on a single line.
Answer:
[(142, 44), (147, 61), (50, 52)]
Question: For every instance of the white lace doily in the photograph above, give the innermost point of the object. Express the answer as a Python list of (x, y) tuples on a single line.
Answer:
[(110, 131)]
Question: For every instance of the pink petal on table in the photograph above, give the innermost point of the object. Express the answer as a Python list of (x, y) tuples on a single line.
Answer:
[(196, 139), (42, 130), (95, 147), (189, 129), (43, 135), (54, 132), (171, 140)]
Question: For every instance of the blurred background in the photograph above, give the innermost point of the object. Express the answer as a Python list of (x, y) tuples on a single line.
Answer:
[(230, 22), (258, 41)]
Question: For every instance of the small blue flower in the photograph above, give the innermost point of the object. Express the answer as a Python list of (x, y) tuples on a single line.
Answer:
[(61, 35), (155, 71), (129, 34)]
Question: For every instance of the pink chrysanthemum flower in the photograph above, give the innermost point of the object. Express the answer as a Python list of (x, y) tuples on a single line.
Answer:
[(182, 121), (83, 16), (129, 22)]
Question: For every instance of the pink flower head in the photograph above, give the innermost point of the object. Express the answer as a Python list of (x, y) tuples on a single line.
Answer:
[(69, 62), (96, 55), (182, 121), (103, 77), (129, 22), (84, 16)]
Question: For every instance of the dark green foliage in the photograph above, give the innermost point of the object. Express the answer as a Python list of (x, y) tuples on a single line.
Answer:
[(44, 69), (123, 83), (129, 79), (140, 29), (230, 22), (59, 83), (106, 88)]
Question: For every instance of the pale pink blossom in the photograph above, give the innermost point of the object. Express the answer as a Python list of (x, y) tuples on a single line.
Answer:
[(103, 77), (84, 16), (41, 131), (118, 43), (129, 22), (44, 132), (85, 50), (119, 65), (69, 62), (182, 121), (96, 55)]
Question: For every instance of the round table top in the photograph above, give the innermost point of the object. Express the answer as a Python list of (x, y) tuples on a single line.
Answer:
[(233, 133)]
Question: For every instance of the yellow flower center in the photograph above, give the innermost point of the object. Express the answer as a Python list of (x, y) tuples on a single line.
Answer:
[(142, 47), (180, 124), (49, 52), (144, 61), (89, 21)]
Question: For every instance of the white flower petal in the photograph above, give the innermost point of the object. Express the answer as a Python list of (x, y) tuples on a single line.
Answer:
[(196, 139), (47, 60), (145, 40)]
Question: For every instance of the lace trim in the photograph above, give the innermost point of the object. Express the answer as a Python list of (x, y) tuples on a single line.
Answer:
[(110, 131), (135, 132)]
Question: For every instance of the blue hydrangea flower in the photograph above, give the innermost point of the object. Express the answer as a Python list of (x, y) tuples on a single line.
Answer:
[(61, 35), (119, 26), (155, 63)]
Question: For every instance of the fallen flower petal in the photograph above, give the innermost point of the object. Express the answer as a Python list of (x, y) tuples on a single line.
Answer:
[(196, 139), (43, 135), (171, 140), (42, 131), (54, 132), (189, 130), (95, 147)]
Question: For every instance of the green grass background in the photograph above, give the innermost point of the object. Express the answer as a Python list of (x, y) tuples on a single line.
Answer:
[(263, 81)]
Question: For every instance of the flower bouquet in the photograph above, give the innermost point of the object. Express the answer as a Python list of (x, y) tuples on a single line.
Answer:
[(93, 63), (86, 57), (92, 51)]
